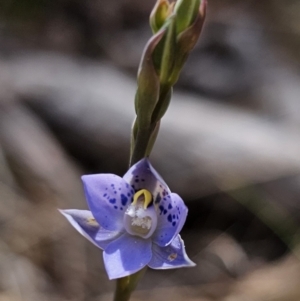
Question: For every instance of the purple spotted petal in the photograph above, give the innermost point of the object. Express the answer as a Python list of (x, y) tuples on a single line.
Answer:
[(126, 255), (108, 196), (170, 257), (143, 176), (83, 221), (172, 214)]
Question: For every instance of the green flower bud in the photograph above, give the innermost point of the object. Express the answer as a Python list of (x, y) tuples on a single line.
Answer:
[(160, 52), (159, 14), (148, 84), (186, 11), (168, 53), (187, 40)]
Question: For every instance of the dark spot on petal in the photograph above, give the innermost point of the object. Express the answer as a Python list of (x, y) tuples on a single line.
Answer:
[(128, 194), (161, 208), (119, 189), (170, 218), (136, 180), (124, 199), (158, 198), (104, 195), (116, 207), (170, 206), (174, 224), (169, 196), (174, 216), (137, 176), (165, 212), (172, 256), (112, 201), (121, 208), (143, 180)]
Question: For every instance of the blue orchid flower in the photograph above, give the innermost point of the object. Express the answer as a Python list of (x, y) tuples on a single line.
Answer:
[(135, 220)]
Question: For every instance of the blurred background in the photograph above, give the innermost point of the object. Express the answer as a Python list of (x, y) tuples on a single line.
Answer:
[(229, 145)]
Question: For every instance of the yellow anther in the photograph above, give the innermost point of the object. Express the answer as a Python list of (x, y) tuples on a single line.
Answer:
[(147, 197)]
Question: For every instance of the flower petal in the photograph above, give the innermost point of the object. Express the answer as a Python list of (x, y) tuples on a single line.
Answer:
[(143, 176), (172, 214), (108, 196), (83, 221), (126, 255), (170, 257)]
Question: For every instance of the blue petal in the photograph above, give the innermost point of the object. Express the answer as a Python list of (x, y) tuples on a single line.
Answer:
[(108, 196), (170, 257), (171, 217), (126, 255), (83, 221), (143, 176)]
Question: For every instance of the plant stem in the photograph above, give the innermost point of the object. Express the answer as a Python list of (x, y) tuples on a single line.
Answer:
[(126, 285)]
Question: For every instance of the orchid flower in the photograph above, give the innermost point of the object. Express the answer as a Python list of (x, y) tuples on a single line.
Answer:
[(135, 220)]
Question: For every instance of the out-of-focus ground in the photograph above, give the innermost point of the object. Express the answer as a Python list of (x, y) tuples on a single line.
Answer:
[(229, 144)]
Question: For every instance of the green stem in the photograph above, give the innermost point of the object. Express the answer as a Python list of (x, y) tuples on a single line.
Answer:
[(126, 285)]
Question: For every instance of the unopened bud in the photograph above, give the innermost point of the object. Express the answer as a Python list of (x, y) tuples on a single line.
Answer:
[(161, 11), (187, 40), (148, 84), (168, 54), (186, 11)]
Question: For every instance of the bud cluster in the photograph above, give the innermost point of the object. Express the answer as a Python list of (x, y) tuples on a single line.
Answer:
[(176, 28)]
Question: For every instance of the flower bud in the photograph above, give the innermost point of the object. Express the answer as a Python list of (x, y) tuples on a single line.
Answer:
[(159, 14), (148, 84), (186, 11), (168, 53), (187, 40)]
